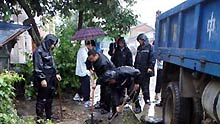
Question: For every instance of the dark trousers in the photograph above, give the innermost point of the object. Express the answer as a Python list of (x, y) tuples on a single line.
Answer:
[(105, 97), (118, 94), (159, 80), (45, 98), (85, 87), (144, 85)]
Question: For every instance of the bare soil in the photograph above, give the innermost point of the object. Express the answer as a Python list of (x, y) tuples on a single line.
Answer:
[(73, 112)]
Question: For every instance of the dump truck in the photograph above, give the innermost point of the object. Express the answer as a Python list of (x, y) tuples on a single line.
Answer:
[(188, 42)]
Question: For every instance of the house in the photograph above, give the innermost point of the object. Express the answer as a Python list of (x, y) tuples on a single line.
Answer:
[(135, 31), (24, 42), (9, 34)]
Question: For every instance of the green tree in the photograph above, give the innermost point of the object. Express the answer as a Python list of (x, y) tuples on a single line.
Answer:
[(89, 11), (108, 14), (65, 54)]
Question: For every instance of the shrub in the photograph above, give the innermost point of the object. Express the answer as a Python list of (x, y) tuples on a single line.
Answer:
[(65, 54), (8, 113), (27, 72)]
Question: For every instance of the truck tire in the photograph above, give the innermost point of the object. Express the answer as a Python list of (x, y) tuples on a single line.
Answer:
[(176, 110)]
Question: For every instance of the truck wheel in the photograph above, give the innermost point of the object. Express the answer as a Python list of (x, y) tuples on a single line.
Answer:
[(197, 113), (176, 110)]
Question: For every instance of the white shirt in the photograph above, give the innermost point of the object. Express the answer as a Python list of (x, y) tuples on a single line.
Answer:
[(159, 64), (81, 62)]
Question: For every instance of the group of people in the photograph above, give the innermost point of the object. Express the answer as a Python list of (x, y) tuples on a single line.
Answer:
[(114, 75), (120, 73)]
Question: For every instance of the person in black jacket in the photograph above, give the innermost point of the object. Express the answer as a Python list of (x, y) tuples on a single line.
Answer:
[(145, 61), (113, 46), (99, 63), (45, 74), (119, 79), (123, 55)]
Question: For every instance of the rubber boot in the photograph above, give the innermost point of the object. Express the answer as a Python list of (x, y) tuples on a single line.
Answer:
[(137, 109)]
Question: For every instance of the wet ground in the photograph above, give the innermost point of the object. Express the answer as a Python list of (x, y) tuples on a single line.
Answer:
[(75, 112)]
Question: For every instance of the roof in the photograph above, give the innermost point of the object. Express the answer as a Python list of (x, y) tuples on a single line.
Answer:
[(10, 31), (142, 28)]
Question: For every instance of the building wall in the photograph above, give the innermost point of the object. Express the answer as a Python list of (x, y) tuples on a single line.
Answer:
[(24, 42), (21, 48)]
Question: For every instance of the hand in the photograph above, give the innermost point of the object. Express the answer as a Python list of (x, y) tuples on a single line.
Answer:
[(136, 86), (118, 109), (44, 83), (58, 77), (92, 73), (113, 51), (149, 70), (94, 86)]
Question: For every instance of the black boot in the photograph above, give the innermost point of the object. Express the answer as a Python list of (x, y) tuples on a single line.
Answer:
[(112, 115), (137, 109)]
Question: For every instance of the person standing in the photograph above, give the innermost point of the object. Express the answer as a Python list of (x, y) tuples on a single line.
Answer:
[(83, 73), (123, 55), (159, 80), (112, 47), (144, 61), (45, 75)]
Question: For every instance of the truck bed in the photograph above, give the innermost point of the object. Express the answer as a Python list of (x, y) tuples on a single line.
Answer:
[(189, 36)]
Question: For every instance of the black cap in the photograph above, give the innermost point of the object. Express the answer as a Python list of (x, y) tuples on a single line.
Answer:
[(92, 42)]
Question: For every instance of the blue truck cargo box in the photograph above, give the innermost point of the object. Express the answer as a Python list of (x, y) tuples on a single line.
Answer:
[(189, 36)]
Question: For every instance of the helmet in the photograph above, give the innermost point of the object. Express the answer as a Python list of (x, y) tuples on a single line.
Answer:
[(143, 37)]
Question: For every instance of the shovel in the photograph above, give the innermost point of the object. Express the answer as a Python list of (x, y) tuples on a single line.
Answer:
[(122, 105), (92, 121), (93, 93), (60, 103)]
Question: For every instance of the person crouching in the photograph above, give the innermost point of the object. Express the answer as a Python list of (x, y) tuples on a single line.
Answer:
[(119, 79)]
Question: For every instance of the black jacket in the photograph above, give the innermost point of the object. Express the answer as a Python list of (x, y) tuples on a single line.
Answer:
[(43, 61), (145, 59), (100, 66), (112, 46), (122, 57), (125, 77), (122, 73)]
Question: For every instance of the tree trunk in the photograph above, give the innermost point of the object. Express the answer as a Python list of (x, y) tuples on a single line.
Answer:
[(35, 34), (80, 21)]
